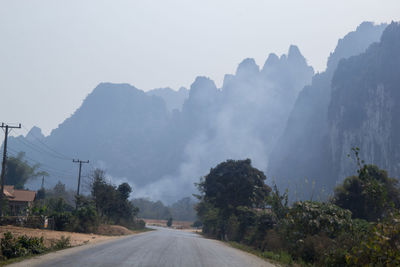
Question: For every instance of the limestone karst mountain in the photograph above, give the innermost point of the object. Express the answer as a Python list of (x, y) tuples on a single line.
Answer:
[(163, 140), (303, 155), (292, 123)]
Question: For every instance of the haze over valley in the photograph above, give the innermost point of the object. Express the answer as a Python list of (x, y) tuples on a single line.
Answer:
[(295, 124)]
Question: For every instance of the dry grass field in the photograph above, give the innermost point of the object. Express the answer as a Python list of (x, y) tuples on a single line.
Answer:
[(50, 236)]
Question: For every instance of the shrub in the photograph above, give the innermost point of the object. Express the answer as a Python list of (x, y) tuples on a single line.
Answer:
[(232, 229), (63, 242), (12, 247), (381, 247), (370, 195), (311, 218), (62, 220)]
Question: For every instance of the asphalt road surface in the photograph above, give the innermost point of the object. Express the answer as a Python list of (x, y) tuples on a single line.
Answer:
[(163, 247)]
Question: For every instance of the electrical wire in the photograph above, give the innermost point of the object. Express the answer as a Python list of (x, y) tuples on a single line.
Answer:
[(47, 146), (47, 168)]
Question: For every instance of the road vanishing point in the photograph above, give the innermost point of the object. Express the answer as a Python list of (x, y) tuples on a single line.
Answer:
[(162, 247)]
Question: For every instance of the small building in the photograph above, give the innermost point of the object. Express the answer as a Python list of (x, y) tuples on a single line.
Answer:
[(18, 200)]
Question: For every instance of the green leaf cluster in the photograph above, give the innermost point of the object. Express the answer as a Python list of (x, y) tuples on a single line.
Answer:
[(12, 247)]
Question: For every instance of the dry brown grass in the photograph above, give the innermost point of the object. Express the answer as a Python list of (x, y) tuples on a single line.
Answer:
[(106, 229), (52, 236)]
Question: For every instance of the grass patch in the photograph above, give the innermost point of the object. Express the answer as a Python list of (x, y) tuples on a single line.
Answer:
[(281, 257)]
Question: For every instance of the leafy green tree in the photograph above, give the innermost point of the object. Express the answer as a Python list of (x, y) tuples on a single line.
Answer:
[(229, 195), (85, 216), (235, 183), (112, 202), (369, 195), (124, 190), (19, 171)]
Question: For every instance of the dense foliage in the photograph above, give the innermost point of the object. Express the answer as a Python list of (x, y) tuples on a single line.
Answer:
[(370, 195), (12, 247), (107, 204), (331, 233), (229, 195), (19, 171), (111, 202)]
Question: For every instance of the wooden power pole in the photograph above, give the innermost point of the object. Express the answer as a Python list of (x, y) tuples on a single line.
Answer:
[(80, 169), (4, 163)]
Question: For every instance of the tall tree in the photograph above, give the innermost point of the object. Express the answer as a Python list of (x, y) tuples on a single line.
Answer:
[(235, 183), (229, 195), (19, 171)]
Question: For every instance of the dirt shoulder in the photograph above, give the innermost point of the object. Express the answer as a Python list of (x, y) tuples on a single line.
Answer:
[(76, 239)]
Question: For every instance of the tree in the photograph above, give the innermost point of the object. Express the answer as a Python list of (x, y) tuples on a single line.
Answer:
[(124, 190), (229, 196), (368, 195), (111, 202), (235, 183), (19, 171), (169, 222)]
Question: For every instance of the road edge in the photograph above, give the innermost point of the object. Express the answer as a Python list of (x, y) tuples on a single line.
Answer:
[(37, 259)]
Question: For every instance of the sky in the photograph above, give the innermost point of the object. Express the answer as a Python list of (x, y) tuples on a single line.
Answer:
[(53, 53)]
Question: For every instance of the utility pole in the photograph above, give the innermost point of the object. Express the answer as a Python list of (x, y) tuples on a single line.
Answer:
[(3, 165), (80, 168)]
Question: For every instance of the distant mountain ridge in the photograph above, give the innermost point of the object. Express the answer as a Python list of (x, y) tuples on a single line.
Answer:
[(162, 141), (305, 144), (173, 99), (154, 140)]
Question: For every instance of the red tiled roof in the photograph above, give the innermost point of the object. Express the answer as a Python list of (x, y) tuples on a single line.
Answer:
[(9, 190), (19, 195)]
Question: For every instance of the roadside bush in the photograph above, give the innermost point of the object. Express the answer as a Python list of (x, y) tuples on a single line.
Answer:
[(381, 247), (273, 242), (85, 218), (370, 195), (232, 229), (310, 228), (311, 218), (12, 247), (313, 248), (62, 220), (63, 242), (258, 226)]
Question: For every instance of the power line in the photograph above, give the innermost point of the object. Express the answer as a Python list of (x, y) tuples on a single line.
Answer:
[(47, 168), (39, 149), (47, 146), (3, 169)]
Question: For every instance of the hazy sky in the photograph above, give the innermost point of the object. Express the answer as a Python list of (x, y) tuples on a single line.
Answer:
[(53, 53)]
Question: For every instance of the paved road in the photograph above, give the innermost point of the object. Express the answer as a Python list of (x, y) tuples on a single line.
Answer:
[(163, 247)]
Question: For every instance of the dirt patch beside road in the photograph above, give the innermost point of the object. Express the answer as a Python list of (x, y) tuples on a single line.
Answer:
[(50, 236)]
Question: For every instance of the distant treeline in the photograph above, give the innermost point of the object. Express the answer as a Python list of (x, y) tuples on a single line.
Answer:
[(182, 210)]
